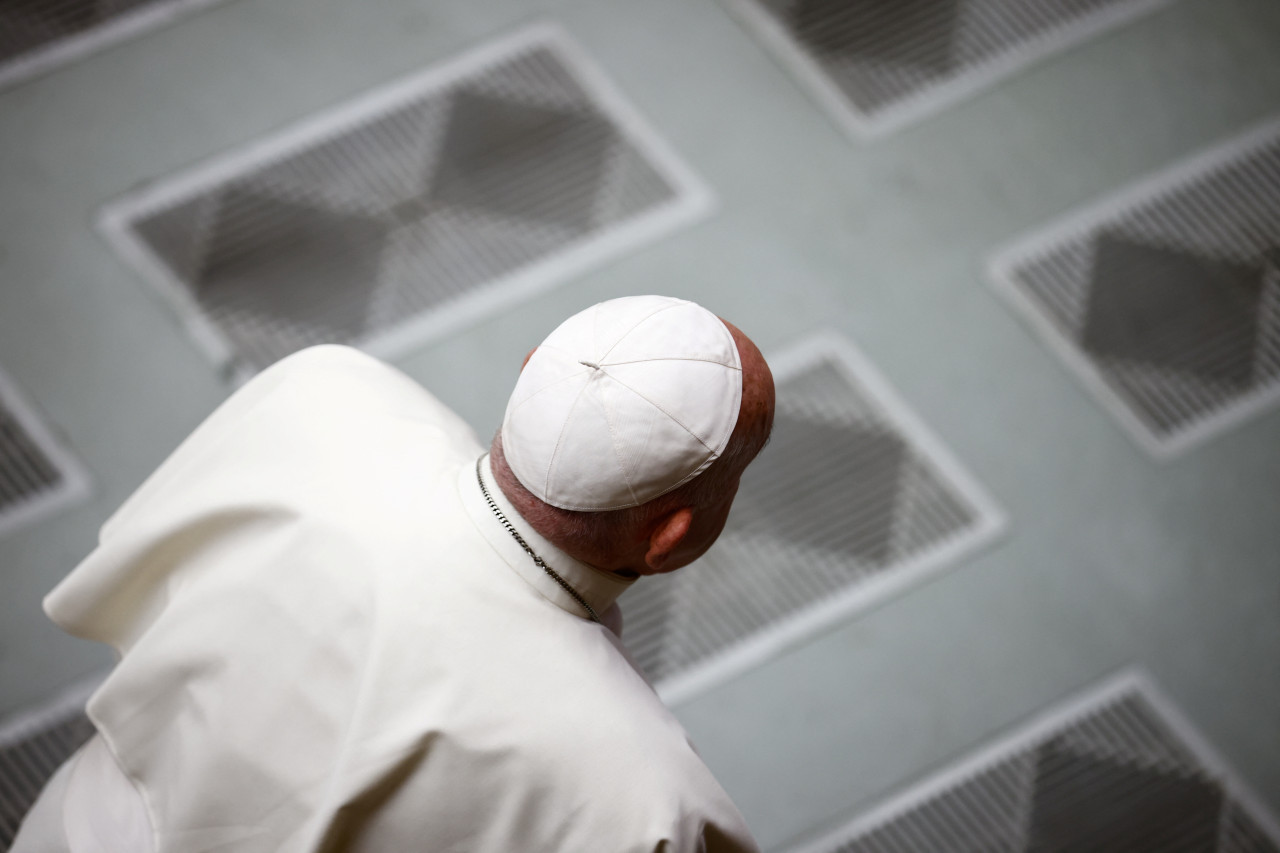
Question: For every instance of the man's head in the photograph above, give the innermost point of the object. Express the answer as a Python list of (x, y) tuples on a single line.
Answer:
[(692, 405)]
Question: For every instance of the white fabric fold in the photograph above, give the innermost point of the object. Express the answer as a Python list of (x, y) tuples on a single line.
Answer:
[(323, 647)]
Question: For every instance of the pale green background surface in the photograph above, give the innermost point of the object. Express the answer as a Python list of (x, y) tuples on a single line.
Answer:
[(1111, 559)]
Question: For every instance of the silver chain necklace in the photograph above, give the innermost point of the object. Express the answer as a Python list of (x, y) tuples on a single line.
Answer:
[(538, 561)]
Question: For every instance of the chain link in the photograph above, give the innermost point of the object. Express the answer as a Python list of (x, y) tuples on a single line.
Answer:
[(538, 561)]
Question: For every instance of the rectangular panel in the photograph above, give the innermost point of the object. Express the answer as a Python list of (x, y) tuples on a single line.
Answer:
[(877, 65), (38, 475), (40, 35), (1165, 299), (35, 744), (1116, 770), (853, 500), (417, 207)]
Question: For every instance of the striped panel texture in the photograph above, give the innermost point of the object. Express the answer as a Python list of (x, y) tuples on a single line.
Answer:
[(1115, 779), (39, 35), (38, 475), (1174, 299), (26, 472), (402, 211), (29, 25), (29, 755), (842, 495), (882, 54)]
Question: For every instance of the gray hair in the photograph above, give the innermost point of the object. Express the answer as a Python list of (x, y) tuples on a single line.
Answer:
[(597, 531)]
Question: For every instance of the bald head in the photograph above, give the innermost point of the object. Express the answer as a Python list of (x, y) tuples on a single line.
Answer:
[(755, 414)]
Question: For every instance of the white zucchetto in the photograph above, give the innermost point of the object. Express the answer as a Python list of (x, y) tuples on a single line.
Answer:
[(623, 402)]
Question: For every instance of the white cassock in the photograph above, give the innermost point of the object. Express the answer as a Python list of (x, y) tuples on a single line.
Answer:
[(328, 642)]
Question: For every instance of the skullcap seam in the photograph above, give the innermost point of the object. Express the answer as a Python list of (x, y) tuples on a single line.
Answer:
[(617, 449), (546, 484), (637, 325), (548, 386), (683, 426), (554, 348), (694, 473), (673, 358), (648, 436)]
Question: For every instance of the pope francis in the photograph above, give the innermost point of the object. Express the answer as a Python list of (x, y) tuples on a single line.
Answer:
[(343, 625)]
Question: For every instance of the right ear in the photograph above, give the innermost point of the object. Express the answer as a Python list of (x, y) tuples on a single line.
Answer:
[(667, 535), (527, 357)]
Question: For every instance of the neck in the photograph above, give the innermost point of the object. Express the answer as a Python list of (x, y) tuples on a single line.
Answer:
[(569, 531)]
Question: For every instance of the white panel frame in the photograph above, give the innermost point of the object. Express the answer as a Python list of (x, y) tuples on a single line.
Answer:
[(22, 724), (693, 200), (67, 50), (990, 523), (934, 98), (1130, 681), (1001, 266), (76, 484)]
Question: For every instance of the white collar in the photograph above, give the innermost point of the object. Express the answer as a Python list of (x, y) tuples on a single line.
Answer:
[(598, 587)]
